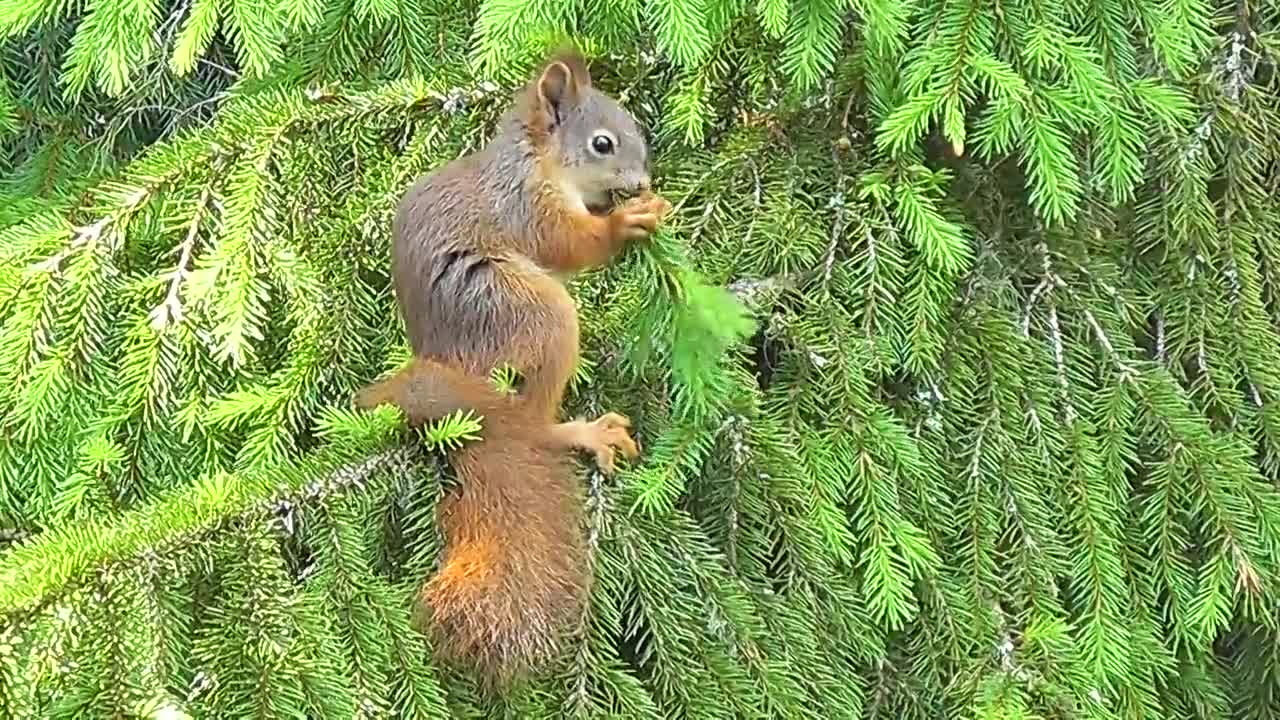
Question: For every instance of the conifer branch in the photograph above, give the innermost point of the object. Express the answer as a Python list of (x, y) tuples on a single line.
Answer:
[(46, 563), (1060, 363), (1050, 280), (737, 428), (1127, 373), (752, 291), (349, 477), (837, 230), (596, 508), (1160, 338), (87, 236)]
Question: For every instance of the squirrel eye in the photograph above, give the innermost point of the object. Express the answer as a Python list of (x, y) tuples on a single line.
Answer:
[(602, 144)]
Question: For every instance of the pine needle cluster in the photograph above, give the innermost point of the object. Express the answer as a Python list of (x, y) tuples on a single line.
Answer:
[(956, 370)]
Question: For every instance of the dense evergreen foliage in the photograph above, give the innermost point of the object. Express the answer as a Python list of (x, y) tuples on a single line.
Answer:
[(956, 372)]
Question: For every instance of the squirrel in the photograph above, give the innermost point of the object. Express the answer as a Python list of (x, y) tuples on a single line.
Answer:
[(481, 249)]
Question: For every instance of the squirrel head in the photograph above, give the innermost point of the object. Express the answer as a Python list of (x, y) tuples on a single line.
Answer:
[(594, 145)]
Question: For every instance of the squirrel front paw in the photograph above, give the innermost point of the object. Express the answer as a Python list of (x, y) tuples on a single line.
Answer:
[(638, 218), (602, 435)]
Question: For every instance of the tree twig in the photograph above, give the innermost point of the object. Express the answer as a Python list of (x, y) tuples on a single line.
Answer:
[(170, 309)]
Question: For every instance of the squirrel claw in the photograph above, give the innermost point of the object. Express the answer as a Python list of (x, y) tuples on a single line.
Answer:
[(603, 435)]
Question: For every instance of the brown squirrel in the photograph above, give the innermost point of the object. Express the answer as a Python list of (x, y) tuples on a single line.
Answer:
[(480, 247)]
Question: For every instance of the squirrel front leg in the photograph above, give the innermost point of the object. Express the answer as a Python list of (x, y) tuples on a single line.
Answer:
[(573, 240)]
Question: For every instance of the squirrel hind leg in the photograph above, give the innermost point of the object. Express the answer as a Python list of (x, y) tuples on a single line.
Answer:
[(543, 341), (507, 312), (427, 390), (544, 347), (379, 392)]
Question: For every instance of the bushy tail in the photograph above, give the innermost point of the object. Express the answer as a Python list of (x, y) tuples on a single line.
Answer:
[(514, 570), (513, 573)]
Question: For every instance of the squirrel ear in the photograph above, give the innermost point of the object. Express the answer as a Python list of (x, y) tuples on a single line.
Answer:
[(556, 89), (569, 56)]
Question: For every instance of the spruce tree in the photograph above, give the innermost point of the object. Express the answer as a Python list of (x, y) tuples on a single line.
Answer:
[(956, 370)]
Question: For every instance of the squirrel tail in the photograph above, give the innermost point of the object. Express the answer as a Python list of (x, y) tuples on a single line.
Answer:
[(513, 573)]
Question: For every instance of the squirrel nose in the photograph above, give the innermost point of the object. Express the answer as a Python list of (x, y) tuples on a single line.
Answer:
[(642, 183)]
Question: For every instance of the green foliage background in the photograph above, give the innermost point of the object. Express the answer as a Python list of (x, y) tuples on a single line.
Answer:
[(999, 438)]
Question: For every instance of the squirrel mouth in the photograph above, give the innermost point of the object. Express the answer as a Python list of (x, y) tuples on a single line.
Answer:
[(605, 201)]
